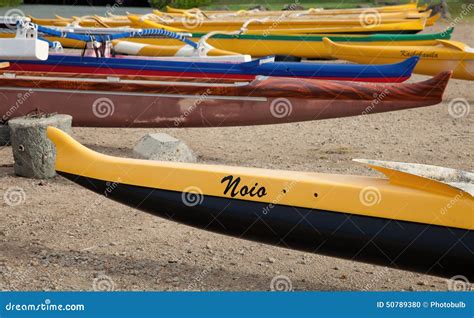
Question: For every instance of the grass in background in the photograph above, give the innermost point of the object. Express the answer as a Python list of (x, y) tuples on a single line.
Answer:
[(10, 3), (456, 7)]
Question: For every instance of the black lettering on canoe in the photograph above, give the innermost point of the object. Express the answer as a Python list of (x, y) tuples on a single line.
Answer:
[(233, 188)]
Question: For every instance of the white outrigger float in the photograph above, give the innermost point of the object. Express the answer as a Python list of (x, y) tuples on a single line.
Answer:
[(25, 45)]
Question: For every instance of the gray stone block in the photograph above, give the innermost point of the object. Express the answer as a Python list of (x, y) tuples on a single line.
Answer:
[(4, 135), (33, 152), (163, 147)]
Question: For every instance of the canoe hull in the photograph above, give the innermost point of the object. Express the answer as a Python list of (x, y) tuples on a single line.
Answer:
[(121, 109), (448, 55), (404, 26), (462, 69), (401, 244), (150, 67), (261, 48), (305, 46)]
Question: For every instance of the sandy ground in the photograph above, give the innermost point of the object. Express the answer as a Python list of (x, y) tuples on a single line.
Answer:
[(65, 238)]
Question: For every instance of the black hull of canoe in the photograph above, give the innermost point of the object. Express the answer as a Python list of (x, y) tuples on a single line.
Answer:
[(427, 249)]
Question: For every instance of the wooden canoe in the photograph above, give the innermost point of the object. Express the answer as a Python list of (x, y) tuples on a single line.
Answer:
[(99, 101), (445, 56), (406, 220)]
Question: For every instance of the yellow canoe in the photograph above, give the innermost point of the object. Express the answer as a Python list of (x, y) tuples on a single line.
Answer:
[(305, 46), (401, 193), (427, 224), (445, 56), (291, 15), (381, 17), (88, 21), (364, 24), (406, 26), (295, 15), (403, 7)]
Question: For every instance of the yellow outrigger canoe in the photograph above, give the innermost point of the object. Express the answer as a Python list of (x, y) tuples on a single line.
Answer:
[(445, 56), (406, 26), (418, 215), (303, 26), (369, 13), (304, 46), (258, 27), (410, 7), (368, 16), (292, 14)]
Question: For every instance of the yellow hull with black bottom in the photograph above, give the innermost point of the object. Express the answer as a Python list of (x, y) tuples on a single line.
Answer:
[(405, 221)]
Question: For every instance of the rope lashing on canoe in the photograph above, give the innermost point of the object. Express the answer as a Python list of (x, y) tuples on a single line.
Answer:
[(244, 27), (104, 38), (153, 32)]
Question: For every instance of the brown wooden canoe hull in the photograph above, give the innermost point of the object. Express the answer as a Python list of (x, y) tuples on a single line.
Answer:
[(115, 110), (257, 103)]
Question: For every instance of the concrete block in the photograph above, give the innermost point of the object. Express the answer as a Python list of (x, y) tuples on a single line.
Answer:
[(163, 147), (33, 152), (4, 135)]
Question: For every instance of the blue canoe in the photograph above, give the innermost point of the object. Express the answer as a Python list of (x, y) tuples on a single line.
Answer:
[(265, 67)]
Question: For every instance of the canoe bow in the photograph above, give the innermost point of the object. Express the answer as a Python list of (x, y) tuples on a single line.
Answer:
[(357, 218)]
